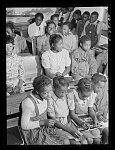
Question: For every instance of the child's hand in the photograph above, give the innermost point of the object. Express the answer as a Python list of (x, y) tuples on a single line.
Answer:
[(49, 122), (85, 126), (96, 123), (76, 134)]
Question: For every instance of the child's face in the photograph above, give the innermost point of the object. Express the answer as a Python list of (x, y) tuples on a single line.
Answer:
[(61, 92), (93, 18), (85, 17), (9, 49), (86, 45), (38, 21), (85, 94), (9, 32), (58, 46), (56, 20), (51, 29), (47, 92), (65, 29), (98, 87), (76, 16)]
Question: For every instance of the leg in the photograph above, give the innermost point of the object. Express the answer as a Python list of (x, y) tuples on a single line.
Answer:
[(90, 140), (105, 136)]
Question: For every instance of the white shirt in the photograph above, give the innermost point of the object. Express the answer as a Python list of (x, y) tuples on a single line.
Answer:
[(34, 30), (56, 62)]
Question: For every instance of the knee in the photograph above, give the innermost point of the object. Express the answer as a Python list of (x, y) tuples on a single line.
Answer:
[(90, 140), (84, 141), (97, 141), (66, 142)]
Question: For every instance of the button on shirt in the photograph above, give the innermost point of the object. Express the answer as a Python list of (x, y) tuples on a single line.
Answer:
[(34, 30)]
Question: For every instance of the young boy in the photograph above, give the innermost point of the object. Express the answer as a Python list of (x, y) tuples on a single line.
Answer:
[(101, 102), (83, 61), (93, 28), (14, 69), (19, 41)]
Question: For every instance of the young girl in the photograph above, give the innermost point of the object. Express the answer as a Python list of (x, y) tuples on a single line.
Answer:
[(84, 98), (101, 102), (15, 75), (83, 61), (19, 42), (70, 41), (61, 108), (36, 127), (56, 61)]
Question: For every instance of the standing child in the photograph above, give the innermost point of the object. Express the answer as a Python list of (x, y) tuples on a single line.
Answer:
[(101, 102), (70, 41), (84, 98), (83, 61), (61, 108), (56, 61), (15, 76)]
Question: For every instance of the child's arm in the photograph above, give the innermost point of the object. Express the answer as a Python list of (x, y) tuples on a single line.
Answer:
[(49, 74), (66, 71)]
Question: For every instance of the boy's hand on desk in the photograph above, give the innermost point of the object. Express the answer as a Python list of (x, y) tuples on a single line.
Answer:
[(85, 125), (96, 123)]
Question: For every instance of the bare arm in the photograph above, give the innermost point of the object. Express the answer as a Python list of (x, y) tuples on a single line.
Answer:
[(66, 71)]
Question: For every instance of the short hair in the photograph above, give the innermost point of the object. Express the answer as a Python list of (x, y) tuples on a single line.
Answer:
[(40, 83), (54, 15), (85, 84), (9, 39), (86, 13), (10, 25), (39, 15), (95, 13), (84, 38), (98, 77), (77, 12), (59, 82), (54, 39), (67, 23), (48, 23)]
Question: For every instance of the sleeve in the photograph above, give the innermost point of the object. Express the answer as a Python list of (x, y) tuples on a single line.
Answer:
[(67, 59), (21, 69), (74, 42), (92, 64), (45, 60), (101, 26), (70, 100), (51, 110), (30, 31), (91, 100)]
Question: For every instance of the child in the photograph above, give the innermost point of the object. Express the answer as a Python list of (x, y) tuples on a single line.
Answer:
[(60, 105), (63, 15), (43, 41), (56, 61), (84, 98), (83, 61), (14, 69), (70, 41), (81, 23), (36, 127), (55, 19), (101, 101), (20, 42), (71, 11), (74, 21), (93, 28)]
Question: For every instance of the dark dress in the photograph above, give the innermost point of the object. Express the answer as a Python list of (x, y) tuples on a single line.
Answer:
[(42, 135)]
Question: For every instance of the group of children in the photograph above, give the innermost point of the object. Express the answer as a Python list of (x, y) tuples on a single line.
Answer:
[(50, 114)]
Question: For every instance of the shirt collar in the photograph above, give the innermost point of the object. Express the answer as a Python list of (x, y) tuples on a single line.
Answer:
[(94, 22)]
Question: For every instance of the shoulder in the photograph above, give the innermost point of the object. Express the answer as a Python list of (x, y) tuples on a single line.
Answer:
[(31, 25), (46, 53), (27, 104)]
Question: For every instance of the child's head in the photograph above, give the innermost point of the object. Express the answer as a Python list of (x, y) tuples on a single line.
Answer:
[(86, 15), (70, 9), (99, 81), (42, 86), (77, 14), (60, 86), (64, 10), (10, 28), (9, 45), (50, 28), (66, 26), (39, 18), (85, 87), (94, 16), (55, 19), (85, 42), (56, 42)]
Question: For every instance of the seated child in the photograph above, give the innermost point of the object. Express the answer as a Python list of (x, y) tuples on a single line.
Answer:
[(101, 102), (19, 41), (14, 68), (93, 28), (70, 41), (60, 105), (36, 127), (83, 61), (81, 23), (56, 61), (84, 99)]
